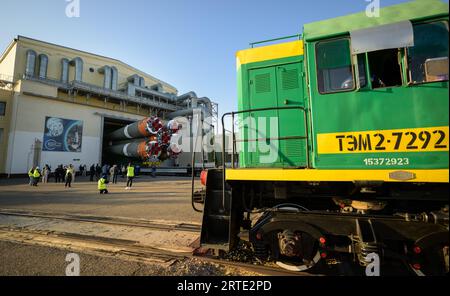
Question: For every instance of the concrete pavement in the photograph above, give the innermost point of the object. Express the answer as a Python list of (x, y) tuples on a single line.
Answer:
[(162, 198)]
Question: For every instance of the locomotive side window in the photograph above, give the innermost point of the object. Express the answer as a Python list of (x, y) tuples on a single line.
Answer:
[(428, 58), (384, 68), (334, 67)]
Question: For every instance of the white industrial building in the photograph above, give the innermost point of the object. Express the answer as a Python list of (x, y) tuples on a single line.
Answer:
[(57, 104)]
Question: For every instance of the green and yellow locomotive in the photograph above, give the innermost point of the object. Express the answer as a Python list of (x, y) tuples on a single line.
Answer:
[(340, 145)]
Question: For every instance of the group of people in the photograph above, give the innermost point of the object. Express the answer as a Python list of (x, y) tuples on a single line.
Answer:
[(97, 171), (110, 173), (62, 173), (104, 175)]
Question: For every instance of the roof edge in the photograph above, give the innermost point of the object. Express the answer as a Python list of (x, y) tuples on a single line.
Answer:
[(393, 13), (8, 49), (21, 37)]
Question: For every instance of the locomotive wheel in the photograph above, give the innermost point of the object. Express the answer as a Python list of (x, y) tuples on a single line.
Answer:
[(301, 267), (293, 250)]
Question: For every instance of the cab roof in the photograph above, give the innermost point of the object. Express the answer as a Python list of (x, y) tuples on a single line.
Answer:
[(415, 10)]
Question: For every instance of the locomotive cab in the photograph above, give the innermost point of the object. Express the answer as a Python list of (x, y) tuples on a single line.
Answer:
[(340, 146)]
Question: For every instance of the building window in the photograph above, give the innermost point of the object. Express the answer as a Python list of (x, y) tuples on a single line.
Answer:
[(2, 108), (43, 64), (31, 63), (1, 135), (334, 67), (428, 58)]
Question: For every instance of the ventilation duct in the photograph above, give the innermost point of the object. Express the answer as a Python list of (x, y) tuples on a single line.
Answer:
[(190, 96), (43, 63), (207, 105), (64, 70), (78, 63), (107, 73), (194, 102), (114, 78), (157, 87), (31, 62), (182, 113), (135, 79)]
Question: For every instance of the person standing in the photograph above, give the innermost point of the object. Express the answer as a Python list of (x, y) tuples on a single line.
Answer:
[(55, 174), (116, 173), (130, 176), (59, 174), (123, 170), (102, 184), (30, 175), (69, 176), (36, 176), (137, 170), (45, 173), (105, 169), (98, 171), (81, 169), (113, 171), (91, 173), (74, 173)]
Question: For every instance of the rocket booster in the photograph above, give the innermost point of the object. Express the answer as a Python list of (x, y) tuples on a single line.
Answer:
[(146, 139), (144, 128), (140, 129), (147, 149)]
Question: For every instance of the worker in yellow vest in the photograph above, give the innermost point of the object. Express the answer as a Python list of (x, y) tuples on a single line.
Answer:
[(130, 176), (69, 176), (36, 176), (30, 175), (102, 184)]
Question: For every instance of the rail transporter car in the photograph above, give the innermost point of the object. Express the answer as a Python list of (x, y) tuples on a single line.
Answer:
[(343, 146)]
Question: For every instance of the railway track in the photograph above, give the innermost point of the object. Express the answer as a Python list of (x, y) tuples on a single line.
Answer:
[(130, 249), (122, 221)]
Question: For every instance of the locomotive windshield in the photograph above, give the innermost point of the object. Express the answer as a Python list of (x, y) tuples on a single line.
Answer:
[(334, 67)]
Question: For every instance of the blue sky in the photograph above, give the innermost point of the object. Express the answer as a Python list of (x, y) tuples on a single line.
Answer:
[(190, 44)]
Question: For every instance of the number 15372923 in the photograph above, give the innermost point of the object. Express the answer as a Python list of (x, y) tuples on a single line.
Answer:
[(386, 161)]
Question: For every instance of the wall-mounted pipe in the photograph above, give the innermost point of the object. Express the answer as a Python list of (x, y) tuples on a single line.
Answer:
[(114, 78), (31, 63), (182, 113), (107, 75), (64, 70), (43, 64), (206, 109), (78, 63), (208, 104), (191, 96)]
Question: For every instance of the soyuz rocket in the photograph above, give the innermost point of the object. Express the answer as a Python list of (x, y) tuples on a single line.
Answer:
[(148, 139)]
